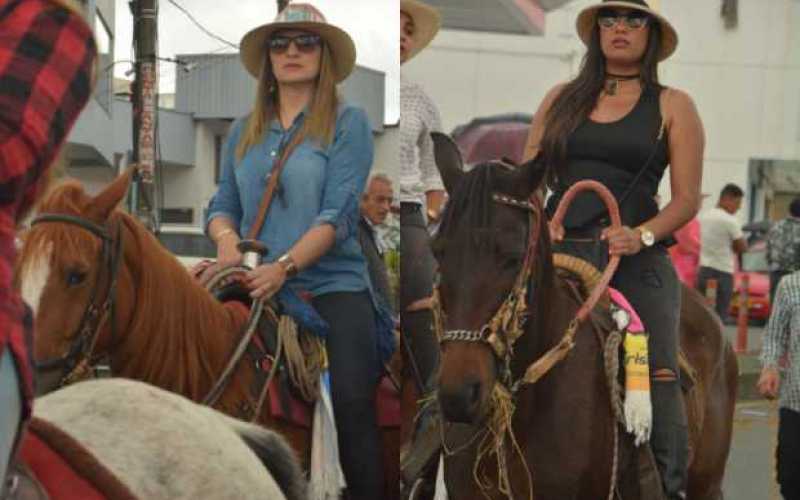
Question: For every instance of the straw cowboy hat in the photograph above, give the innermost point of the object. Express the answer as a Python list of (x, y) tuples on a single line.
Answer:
[(303, 17), (426, 23), (587, 18)]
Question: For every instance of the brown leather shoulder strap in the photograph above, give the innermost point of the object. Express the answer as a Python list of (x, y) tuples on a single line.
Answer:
[(269, 192)]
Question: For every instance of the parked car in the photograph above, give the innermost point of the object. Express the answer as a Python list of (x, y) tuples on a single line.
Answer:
[(753, 263), (189, 244)]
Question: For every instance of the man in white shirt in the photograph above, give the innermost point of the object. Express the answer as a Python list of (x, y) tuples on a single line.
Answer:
[(721, 238)]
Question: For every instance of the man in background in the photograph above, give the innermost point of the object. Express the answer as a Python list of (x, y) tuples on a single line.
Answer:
[(783, 247), (721, 239), (781, 353), (375, 204)]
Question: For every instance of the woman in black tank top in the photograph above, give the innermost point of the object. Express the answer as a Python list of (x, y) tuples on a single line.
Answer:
[(615, 123)]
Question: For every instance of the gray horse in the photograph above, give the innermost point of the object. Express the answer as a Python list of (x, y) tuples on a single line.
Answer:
[(162, 446)]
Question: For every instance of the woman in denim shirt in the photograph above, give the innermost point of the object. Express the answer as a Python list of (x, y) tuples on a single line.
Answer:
[(312, 223)]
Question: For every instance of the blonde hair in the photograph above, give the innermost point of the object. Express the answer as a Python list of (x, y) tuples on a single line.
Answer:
[(320, 121)]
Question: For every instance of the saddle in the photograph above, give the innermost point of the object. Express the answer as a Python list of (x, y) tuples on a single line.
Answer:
[(51, 465), (294, 387), (582, 277)]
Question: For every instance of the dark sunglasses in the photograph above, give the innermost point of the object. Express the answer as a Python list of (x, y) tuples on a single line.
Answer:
[(279, 44), (608, 18)]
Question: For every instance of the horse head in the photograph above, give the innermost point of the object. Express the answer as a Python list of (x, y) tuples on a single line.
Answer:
[(66, 271), (482, 248)]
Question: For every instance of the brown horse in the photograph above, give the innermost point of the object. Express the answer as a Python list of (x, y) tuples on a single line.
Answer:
[(563, 424), (164, 328)]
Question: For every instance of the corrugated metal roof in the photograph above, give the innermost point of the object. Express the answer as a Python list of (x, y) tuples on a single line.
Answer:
[(217, 86)]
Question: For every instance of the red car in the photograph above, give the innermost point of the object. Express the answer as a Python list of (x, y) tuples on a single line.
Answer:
[(753, 263)]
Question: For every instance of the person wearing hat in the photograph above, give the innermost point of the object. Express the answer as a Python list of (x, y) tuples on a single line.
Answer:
[(311, 226), (615, 123), (421, 191)]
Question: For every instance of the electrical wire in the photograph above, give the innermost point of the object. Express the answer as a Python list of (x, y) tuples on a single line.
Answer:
[(202, 28)]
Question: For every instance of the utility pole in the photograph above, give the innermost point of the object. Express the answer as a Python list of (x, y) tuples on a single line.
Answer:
[(145, 108)]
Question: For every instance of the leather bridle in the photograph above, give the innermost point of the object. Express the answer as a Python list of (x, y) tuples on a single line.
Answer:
[(81, 361), (507, 324)]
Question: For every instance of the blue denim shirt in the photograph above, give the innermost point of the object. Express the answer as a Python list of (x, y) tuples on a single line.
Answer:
[(318, 185)]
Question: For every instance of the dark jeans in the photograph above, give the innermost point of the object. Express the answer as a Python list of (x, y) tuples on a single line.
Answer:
[(724, 289), (353, 360), (788, 454), (649, 282), (416, 282), (774, 279)]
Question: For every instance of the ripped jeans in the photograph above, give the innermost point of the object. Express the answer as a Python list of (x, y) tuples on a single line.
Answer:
[(649, 282)]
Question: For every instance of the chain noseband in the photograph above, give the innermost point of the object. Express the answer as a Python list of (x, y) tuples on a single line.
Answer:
[(77, 363), (507, 324)]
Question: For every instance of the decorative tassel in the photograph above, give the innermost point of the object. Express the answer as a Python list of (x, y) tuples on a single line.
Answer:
[(637, 407), (327, 479), (440, 492)]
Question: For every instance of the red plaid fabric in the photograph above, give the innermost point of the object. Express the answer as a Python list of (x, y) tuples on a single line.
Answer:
[(47, 55)]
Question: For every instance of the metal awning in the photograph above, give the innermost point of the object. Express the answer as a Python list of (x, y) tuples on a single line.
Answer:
[(523, 17)]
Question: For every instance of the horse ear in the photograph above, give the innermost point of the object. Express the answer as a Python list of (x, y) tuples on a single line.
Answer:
[(448, 160), (108, 199)]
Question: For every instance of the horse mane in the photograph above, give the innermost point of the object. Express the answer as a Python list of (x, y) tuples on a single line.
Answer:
[(178, 336)]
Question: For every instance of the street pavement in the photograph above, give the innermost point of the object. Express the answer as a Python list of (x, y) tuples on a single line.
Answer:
[(750, 472), (751, 464)]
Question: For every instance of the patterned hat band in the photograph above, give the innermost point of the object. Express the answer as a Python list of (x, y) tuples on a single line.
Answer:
[(300, 13)]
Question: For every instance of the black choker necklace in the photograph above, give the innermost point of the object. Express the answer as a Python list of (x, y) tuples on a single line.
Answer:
[(613, 81)]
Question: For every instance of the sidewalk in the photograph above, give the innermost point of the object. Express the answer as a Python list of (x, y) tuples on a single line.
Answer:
[(749, 365)]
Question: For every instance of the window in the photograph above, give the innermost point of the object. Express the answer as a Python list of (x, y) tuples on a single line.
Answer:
[(105, 52)]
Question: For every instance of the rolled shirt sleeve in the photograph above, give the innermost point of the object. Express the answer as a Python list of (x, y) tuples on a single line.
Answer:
[(227, 202), (349, 162)]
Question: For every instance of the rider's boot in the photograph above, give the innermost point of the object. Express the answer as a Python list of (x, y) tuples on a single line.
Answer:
[(670, 437)]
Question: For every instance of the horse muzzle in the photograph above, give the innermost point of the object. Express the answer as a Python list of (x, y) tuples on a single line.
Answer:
[(464, 403)]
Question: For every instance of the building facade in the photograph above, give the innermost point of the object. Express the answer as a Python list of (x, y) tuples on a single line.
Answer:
[(744, 81), (212, 90)]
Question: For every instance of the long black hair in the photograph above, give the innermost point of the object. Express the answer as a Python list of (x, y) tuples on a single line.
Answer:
[(579, 97)]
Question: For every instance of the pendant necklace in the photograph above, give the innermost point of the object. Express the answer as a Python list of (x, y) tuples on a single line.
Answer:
[(613, 81)]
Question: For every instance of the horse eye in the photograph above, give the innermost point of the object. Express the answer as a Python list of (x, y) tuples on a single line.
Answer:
[(75, 278)]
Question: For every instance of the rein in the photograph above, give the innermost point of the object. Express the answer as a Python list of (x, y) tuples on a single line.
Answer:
[(80, 361)]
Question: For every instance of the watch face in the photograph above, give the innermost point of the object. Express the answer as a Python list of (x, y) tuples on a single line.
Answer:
[(648, 238)]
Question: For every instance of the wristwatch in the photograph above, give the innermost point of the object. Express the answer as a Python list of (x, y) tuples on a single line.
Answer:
[(646, 236), (287, 263)]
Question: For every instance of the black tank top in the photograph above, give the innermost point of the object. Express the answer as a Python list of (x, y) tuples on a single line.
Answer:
[(614, 154)]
